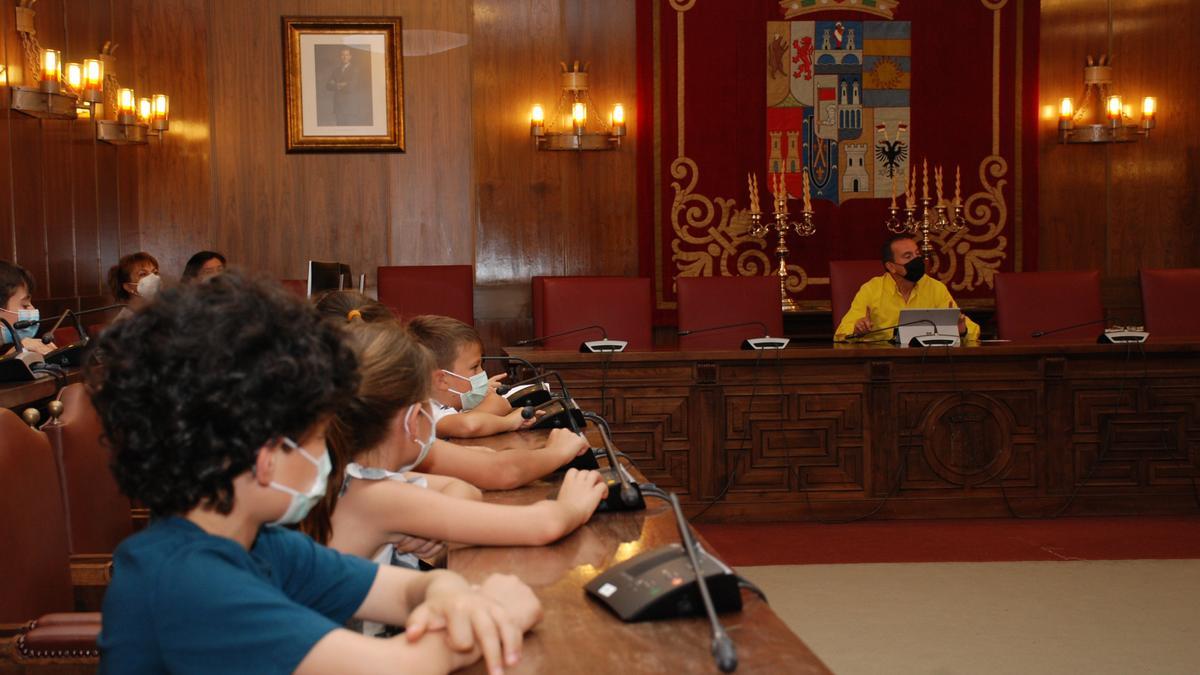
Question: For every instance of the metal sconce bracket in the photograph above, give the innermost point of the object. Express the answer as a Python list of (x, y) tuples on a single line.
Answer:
[(116, 133), (44, 104), (577, 142)]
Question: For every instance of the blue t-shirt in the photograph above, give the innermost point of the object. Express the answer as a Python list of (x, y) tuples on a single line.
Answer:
[(185, 601)]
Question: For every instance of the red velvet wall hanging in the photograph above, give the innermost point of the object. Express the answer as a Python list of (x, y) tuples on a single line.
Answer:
[(853, 95)]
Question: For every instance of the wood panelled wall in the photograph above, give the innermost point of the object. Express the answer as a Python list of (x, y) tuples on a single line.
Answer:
[(1122, 207), (540, 212), (68, 203)]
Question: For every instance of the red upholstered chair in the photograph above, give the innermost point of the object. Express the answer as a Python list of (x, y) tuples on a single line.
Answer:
[(34, 567), (448, 290), (705, 302), (620, 304), (98, 515), (845, 278), (1028, 302), (1166, 297)]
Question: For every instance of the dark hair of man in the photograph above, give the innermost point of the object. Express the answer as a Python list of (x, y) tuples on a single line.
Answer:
[(443, 336), (886, 253), (190, 388), (192, 269), (341, 306), (122, 273), (12, 277)]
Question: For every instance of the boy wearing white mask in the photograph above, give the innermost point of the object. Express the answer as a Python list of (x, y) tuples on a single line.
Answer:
[(16, 291), (134, 281), (221, 433), (467, 405)]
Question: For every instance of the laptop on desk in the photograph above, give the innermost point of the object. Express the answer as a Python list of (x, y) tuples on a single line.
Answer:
[(930, 327)]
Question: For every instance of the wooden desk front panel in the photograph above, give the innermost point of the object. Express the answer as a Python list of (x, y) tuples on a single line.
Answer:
[(830, 433)]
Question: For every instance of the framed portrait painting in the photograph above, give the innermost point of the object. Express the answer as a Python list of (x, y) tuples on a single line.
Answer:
[(343, 84)]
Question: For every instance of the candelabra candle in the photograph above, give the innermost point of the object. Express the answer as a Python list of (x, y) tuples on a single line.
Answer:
[(912, 187), (807, 201), (937, 179), (924, 179), (957, 185), (893, 204)]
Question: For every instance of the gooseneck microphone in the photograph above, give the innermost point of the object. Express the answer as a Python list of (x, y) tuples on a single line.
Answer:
[(630, 496), (543, 338), (766, 341), (569, 408), (723, 650), (1060, 329), (856, 334), (707, 329), (58, 318)]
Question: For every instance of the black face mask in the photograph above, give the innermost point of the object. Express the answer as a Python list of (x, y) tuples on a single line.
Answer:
[(914, 269)]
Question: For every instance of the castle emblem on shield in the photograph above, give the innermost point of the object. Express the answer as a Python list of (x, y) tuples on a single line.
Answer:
[(838, 106)]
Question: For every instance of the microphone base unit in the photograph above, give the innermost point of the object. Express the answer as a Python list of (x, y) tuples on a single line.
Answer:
[(70, 356), (613, 502), (19, 367), (585, 462), (934, 340), (561, 420), (661, 584), (603, 346), (1122, 337), (533, 396), (765, 342)]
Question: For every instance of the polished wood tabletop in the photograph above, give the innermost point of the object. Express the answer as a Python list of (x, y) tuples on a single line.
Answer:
[(19, 395), (579, 634)]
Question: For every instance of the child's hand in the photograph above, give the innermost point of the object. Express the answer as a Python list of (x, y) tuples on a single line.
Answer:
[(422, 548), (580, 494), (515, 422), (494, 621), (494, 381), (566, 442)]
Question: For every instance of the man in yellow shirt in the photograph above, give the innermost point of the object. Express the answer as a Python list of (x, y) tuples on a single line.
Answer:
[(904, 286)]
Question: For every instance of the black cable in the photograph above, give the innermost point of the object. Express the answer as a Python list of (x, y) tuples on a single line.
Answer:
[(741, 444), (891, 493), (1106, 441), (604, 381), (745, 583)]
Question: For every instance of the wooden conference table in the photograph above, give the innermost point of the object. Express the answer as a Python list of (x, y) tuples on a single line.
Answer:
[(850, 431), (21, 395), (578, 634)]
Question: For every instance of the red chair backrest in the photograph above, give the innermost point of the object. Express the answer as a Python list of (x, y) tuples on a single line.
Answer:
[(1027, 302), (620, 304), (98, 515), (1167, 297), (448, 290), (33, 529), (845, 278), (705, 302)]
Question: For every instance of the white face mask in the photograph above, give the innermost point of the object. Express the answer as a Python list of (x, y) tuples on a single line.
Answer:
[(148, 286), (478, 391), (302, 502), (426, 444)]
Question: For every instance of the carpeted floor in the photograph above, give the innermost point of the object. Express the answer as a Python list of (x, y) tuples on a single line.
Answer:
[(1028, 618), (979, 540)]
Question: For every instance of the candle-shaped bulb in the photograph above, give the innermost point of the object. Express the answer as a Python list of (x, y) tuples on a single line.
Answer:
[(74, 76), (578, 116), (51, 65), (1149, 106), (162, 107), (1066, 109), (145, 110), (538, 114), (1114, 107), (618, 114), (93, 74)]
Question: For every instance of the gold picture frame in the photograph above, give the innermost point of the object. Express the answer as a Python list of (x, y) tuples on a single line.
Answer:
[(343, 84)]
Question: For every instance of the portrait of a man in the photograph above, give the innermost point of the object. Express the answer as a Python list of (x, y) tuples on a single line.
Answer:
[(344, 97)]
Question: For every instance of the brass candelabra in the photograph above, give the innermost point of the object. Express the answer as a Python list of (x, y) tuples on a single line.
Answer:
[(759, 227), (926, 215)]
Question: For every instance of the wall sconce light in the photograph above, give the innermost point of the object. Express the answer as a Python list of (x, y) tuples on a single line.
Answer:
[(77, 89), (1102, 117), (568, 128)]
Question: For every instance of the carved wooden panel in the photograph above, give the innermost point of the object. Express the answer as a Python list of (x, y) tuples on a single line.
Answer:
[(650, 425)]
